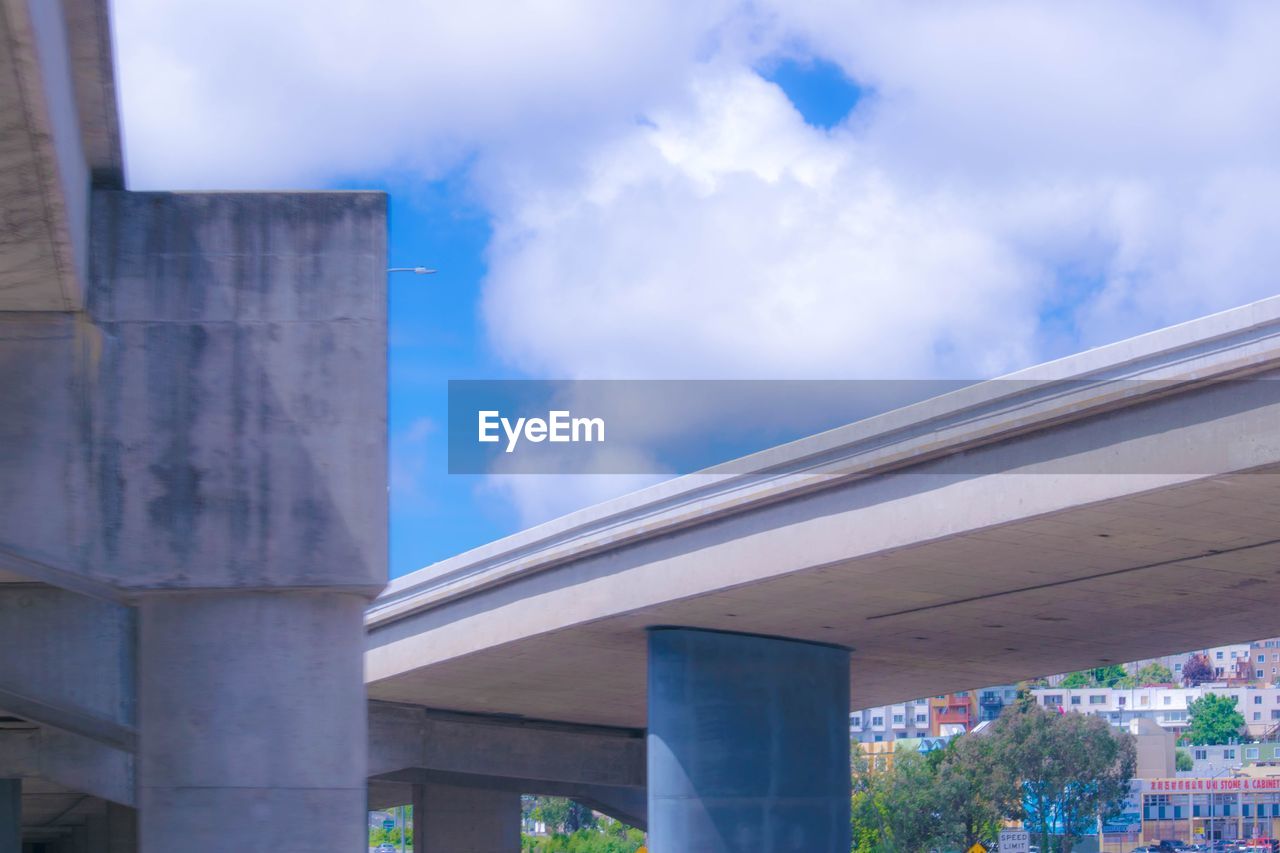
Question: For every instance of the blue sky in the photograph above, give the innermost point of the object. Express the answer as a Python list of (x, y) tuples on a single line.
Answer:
[(437, 334), (777, 189)]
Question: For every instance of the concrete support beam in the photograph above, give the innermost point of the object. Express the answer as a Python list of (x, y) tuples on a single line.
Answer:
[(68, 662), (403, 737), (253, 722), (629, 805), (454, 819), (748, 744), (73, 762), (10, 816)]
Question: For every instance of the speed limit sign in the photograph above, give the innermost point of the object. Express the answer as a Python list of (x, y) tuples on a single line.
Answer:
[(1015, 841)]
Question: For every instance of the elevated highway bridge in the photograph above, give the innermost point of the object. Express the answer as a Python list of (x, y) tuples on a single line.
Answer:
[(193, 542), (1110, 506)]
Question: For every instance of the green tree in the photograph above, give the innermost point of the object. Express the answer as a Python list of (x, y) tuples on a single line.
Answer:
[(1153, 673), (973, 791), (606, 836), (1214, 720), (562, 815), (1182, 760), (896, 810), (1072, 768), (1076, 680), (1108, 676), (1103, 676)]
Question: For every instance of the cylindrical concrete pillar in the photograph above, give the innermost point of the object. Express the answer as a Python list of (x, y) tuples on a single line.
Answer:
[(10, 816), (748, 744), (252, 722), (454, 819)]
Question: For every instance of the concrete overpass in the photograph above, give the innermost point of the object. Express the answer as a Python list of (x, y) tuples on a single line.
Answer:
[(192, 522), (1091, 510), (192, 483)]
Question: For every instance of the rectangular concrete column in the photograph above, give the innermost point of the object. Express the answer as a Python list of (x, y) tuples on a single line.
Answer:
[(748, 744), (452, 819), (252, 722), (10, 816)]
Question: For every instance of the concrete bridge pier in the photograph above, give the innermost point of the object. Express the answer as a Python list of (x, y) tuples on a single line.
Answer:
[(748, 743), (253, 721), (455, 819)]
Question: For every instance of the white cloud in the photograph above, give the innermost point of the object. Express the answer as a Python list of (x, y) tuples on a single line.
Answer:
[(728, 238), (242, 93), (1027, 179)]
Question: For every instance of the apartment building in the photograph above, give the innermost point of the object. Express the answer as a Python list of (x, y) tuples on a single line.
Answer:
[(1256, 662), (1167, 706), (887, 723), (953, 713), (1265, 660)]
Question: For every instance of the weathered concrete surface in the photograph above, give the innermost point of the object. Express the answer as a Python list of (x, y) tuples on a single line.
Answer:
[(629, 805), (252, 722), (68, 662), (411, 746), (404, 737), (748, 744), (71, 761), (221, 420), (58, 134), (192, 397), (455, 819), (215, 420)]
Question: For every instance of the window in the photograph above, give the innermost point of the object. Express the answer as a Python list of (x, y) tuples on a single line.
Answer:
[(1218, 656), (1257, 700), (1120, 700), (1177, 667), (922, 718), (1075, 700), (1275, 715), (1146, 700), (1251, 752), (897, 719), (1228, 755), (1201, 754), (879, 738), (877, 721), (1259, 674), (1053, 699), (1097, 700), (1168, 700), (1257, 715)]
